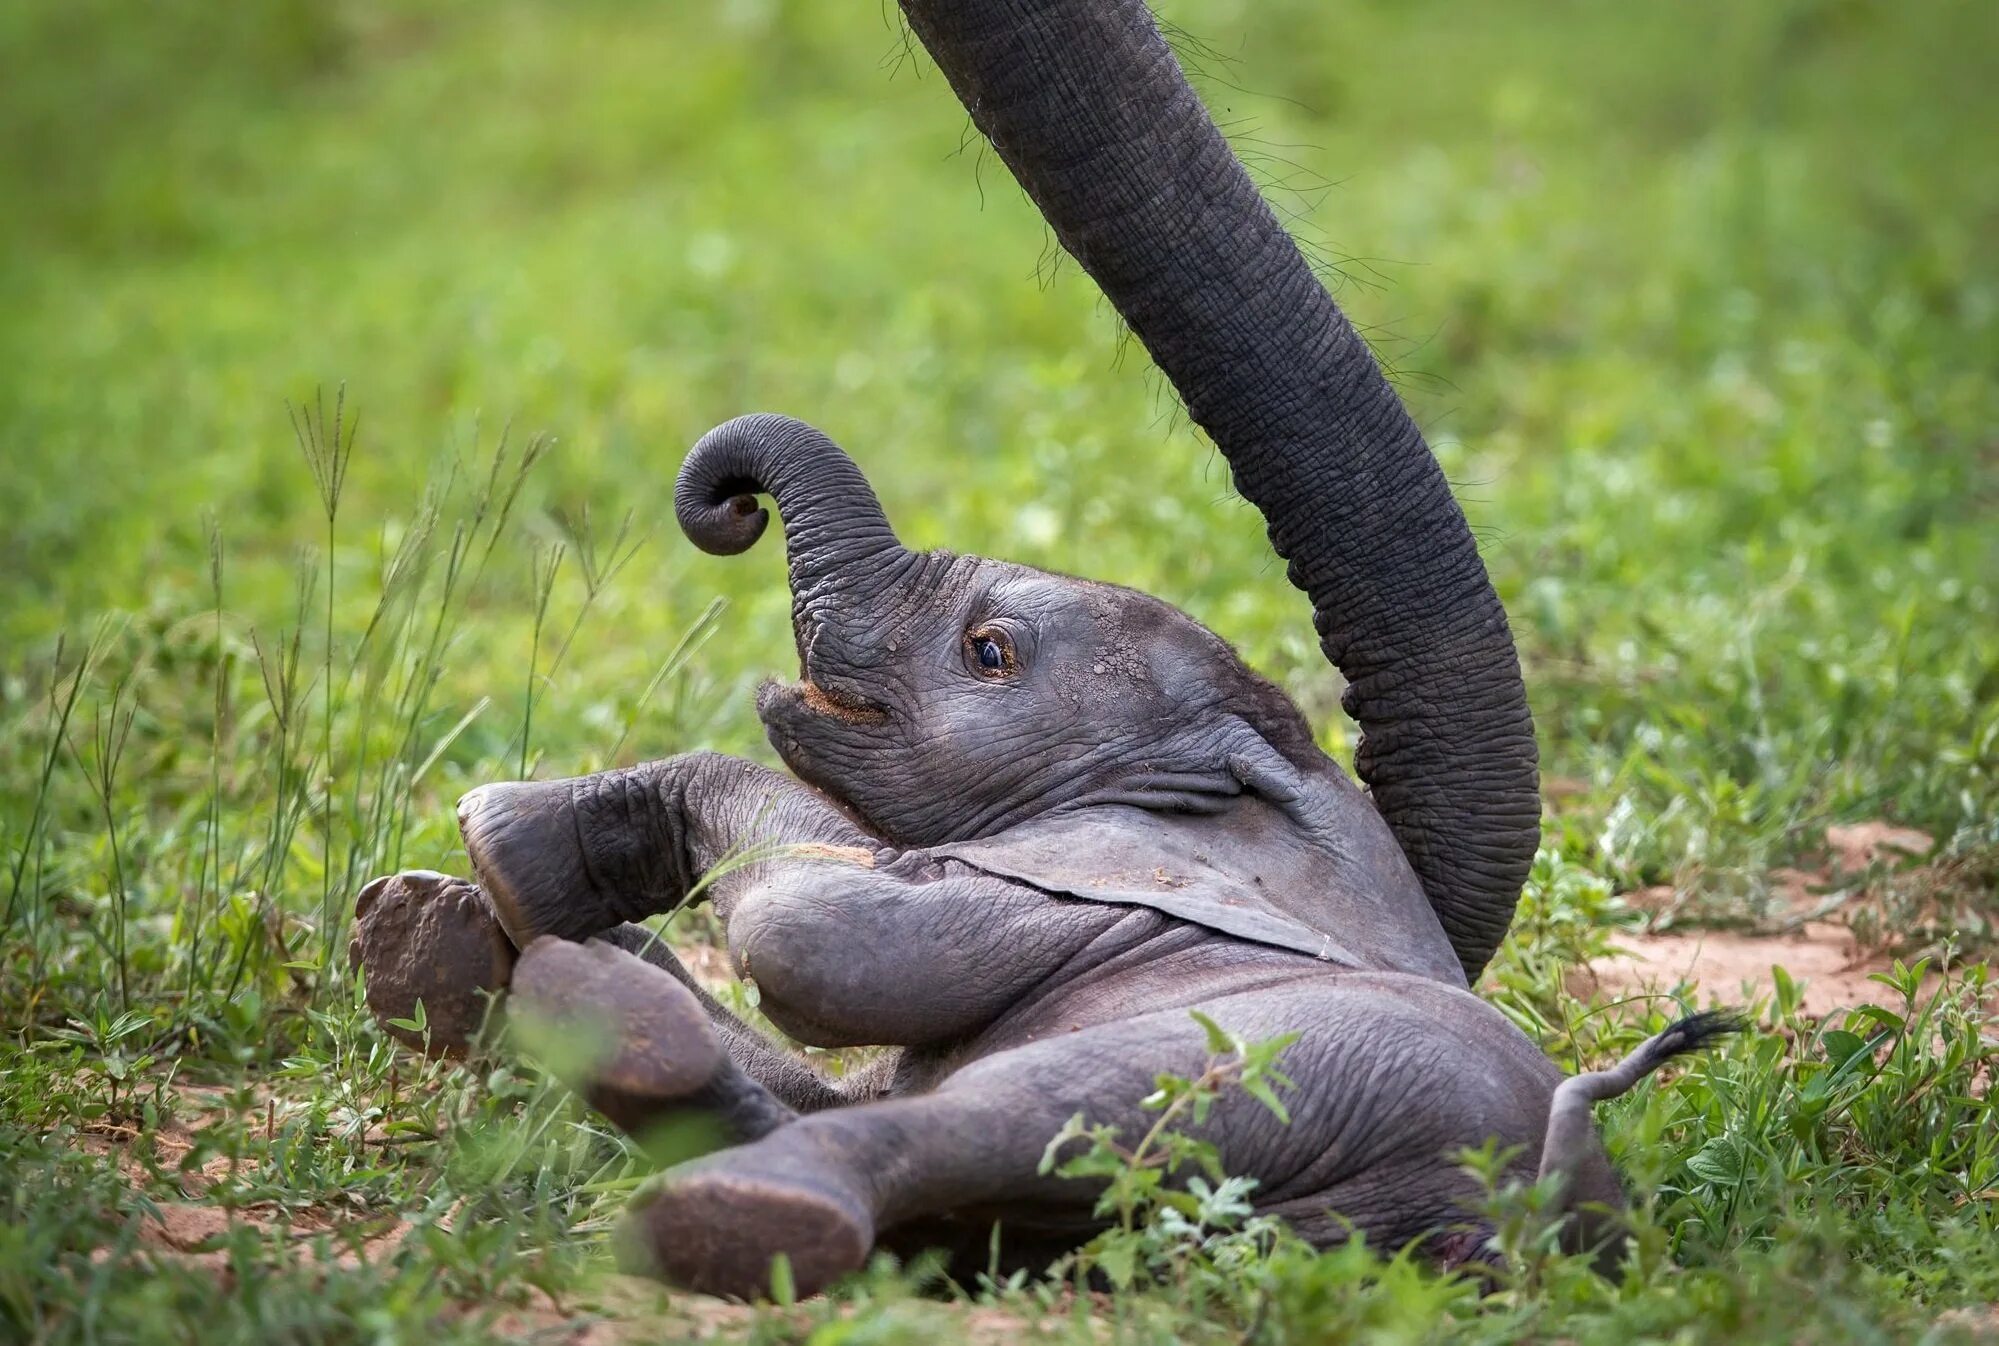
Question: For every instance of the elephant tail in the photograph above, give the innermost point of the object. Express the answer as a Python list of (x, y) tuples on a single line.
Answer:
[(1571, 1123)]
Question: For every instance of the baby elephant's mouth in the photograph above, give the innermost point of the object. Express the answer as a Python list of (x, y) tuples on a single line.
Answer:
[(842, 704), (817, 691), (829, 697)]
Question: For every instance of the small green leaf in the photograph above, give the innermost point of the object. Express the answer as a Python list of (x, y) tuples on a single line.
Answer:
[(1842, 1046), (1072, 1129), (1219, 1041), (1261, 1091), (1787, 991), (783, 1287), (1719, 1162), (1118, 1258)]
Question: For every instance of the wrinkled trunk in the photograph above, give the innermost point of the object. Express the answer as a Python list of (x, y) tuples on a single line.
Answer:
[(839, 547), (1087, 105)]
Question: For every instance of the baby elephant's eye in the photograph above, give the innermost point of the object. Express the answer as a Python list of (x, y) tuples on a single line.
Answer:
[(989, 653)]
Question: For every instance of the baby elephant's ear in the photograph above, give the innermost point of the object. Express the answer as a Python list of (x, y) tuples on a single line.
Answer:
[(1260, 768), (1206, 767)]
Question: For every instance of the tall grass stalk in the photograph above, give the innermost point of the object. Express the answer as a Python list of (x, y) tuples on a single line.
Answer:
[(280, 670), (210, 868), (379, 657), (492, 509), (691, 640), (110, 729), (61, 706), (543, 567), (599, 564), (327, 448)]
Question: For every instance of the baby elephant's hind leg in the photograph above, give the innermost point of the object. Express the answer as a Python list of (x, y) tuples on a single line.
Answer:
[(823, 1188)]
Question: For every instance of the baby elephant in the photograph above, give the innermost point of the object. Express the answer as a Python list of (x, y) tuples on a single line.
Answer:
[(1039, 820)]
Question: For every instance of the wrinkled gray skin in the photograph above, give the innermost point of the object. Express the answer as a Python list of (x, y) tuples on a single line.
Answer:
[(989, 759)]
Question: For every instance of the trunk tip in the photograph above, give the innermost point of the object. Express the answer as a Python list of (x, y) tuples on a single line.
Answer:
[(808, 478), (715, 497), (725, 527)]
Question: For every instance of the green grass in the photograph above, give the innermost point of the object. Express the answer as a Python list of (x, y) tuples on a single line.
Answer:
[(1697, 302)]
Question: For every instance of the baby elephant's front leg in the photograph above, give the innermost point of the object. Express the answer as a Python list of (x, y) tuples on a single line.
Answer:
[(573, 858), (907, 950)]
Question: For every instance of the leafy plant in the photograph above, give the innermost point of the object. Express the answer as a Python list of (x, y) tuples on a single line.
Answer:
[(1162, 1227)]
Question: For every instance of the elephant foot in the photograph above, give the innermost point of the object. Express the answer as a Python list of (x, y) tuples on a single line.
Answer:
[(718, 1230), (522, 838), (421, 937), (632, 1040)]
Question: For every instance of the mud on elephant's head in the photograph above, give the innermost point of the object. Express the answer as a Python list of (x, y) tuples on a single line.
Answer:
[(946, 697)]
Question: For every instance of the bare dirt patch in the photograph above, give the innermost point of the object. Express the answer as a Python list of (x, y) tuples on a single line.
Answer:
[(196, 1234), (1805, 932), (1981, 1323), (1734, 965), (617, 1309), (1855, 846)]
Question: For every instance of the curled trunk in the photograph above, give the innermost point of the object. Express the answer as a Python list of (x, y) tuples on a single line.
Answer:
[(838, 543), (1087, 105)]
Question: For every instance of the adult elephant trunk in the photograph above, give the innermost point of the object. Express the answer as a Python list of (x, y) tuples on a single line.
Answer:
[(839, 547), (1086, 104)]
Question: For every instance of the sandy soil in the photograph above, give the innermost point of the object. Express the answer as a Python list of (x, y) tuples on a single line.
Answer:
[(1734, 966)]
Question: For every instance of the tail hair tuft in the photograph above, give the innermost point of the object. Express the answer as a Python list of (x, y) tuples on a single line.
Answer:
[(1693, 1033)]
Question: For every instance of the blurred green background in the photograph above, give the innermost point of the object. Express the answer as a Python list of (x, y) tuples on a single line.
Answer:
[(1698, 303)]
